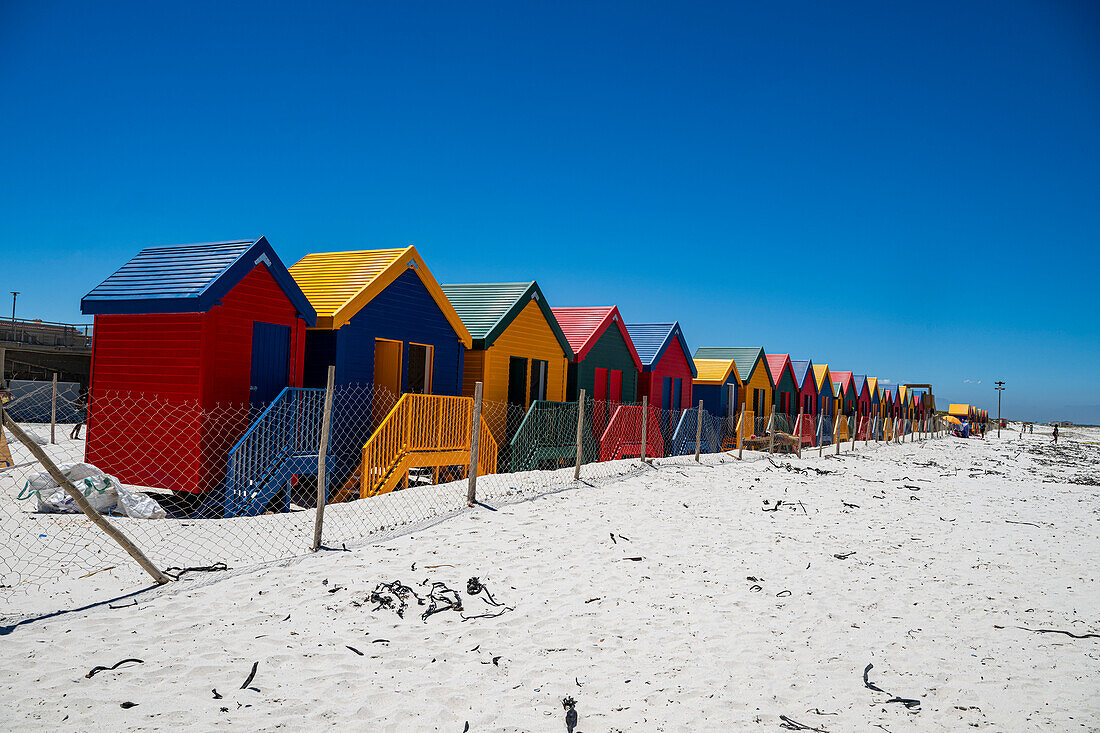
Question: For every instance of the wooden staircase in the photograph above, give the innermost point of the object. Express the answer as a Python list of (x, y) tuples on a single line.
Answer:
[(422, 431), (623, 436)]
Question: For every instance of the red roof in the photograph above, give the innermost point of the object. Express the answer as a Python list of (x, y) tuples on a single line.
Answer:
[(776, 364), (844, 378), (584, 325)]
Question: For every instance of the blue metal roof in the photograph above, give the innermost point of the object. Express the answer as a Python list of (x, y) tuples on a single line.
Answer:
[(189, 278), (651, 340), (802, 368)]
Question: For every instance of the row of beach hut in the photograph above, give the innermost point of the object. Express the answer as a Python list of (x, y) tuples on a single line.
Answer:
[(227, 323)]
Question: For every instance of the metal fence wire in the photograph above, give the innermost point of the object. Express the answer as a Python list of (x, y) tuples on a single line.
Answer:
[(193, 484)]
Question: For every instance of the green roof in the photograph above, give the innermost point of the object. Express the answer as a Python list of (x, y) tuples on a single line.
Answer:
[(745, 357), (487, 309)]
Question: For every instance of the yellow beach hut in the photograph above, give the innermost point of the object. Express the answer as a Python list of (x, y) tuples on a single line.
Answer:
[(519, 354)]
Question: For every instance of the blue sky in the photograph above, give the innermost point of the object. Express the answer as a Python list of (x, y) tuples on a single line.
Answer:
[(822, 179)]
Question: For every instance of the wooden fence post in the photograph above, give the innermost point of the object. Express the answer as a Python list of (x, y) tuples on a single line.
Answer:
[(475, 439), (580, 436), (322, 460), (820, 433), (698, 431), (740, 428), (645, 422), (53, 411), (798, 431), (836, 432), (89, 511), (855, 427), (770, 430)]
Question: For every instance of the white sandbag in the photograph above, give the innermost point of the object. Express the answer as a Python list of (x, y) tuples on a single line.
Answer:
[(102, 491), (139, 506), (99, 489)]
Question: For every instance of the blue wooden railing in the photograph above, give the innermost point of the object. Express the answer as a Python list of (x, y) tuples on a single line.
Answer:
[(683, 438), (280, 441)]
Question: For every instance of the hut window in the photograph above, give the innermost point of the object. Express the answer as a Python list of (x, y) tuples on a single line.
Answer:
[(538, 379), (420, 368)]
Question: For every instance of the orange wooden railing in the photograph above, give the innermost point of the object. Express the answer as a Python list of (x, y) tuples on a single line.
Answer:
[(423, 430)]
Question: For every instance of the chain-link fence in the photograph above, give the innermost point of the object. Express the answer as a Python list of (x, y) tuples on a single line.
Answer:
[(195, 485)]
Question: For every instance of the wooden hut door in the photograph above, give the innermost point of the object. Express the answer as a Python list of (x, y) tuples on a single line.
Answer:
[(517, 382), (270, 362), (387, 377)]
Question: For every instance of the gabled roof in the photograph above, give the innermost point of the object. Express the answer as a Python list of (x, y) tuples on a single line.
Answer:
[(803, 369), (715, 371), (872, 385), (487, 309), (776, 364), (844, 379), (340, 284), (584, 325), (746, 358), (820, 372), (190, 278), (651, 341), (859, 381)]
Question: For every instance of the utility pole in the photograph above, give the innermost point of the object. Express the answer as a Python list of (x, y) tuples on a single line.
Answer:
[(1000, 388), (14, 295)]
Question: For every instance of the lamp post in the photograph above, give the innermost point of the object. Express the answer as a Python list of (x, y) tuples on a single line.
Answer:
[(14, 295), (1000, 388)]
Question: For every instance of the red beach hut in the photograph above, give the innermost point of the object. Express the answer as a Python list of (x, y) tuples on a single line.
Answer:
[(188, 340)]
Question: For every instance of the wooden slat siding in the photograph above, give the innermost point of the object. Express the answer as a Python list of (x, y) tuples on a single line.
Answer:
[(758, 379), (405, 311), (529, 336), (138, 358), (473, 371), (154, 354), (257, 297), (673, 363), (609, 352)]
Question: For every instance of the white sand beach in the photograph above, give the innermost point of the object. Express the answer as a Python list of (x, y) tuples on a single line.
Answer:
[(679, 599)]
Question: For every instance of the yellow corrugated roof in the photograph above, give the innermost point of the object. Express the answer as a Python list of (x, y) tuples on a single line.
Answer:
[(872, 384), (958, 410), (820, 370), (714, 371), (332, 280), (339, 284)]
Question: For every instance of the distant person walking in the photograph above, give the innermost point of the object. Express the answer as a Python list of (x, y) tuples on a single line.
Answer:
[(81, 415), (1055, 441)]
